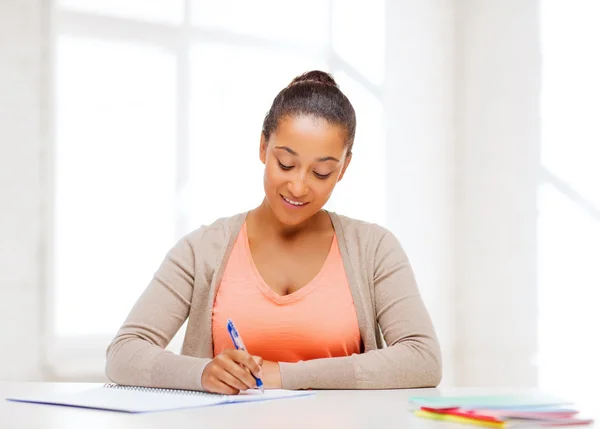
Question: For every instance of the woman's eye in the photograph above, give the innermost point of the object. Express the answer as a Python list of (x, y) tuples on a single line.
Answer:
[(322, 176), (284, 167)]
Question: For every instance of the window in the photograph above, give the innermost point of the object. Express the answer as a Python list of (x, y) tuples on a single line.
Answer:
[(151, 99), (569, 200)]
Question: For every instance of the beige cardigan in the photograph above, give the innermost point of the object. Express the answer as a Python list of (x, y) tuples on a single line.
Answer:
[(383, 288)]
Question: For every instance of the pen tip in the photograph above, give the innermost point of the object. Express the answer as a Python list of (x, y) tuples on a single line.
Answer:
[(262, 389)]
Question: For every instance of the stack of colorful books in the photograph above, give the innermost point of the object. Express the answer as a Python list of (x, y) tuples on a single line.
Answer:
[(499, 411)]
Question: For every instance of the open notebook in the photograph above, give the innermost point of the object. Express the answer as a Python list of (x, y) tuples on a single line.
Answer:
[(132, 399)]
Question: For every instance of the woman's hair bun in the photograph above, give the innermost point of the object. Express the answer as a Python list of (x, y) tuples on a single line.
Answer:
[(315, 76), (314, 93)]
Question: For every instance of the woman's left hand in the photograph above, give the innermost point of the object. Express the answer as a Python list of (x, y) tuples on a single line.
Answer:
[(271, 377)]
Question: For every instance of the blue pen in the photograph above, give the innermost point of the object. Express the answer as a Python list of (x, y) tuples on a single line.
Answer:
[(239, 345)]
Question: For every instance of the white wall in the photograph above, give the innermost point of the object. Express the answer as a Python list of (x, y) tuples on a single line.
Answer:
[(419, 101), (462, 99), (460, 93), (22, 102), (498, 74)]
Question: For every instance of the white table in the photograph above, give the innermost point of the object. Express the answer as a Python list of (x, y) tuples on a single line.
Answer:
[(327, 409)]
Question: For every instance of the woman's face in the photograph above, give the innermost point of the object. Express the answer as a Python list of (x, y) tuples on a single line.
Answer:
[(304, 159)]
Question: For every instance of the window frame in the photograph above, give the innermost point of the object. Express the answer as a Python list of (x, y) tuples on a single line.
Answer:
[(82, 357)]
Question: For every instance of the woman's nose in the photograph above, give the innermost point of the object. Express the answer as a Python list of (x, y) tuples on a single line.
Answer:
[(298, 187)]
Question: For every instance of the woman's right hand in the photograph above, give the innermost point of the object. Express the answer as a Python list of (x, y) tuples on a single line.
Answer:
[(231, 371)]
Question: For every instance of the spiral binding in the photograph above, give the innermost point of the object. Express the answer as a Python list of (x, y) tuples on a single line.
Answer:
[(158, 390)]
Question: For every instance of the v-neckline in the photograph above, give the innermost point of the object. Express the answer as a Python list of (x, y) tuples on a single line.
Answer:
[(296, 295)]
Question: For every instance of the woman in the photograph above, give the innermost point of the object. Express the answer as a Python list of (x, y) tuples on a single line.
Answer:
[(311, 292)]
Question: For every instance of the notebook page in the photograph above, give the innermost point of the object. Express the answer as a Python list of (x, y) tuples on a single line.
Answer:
[(256, 395), (132, 401), (141, 401)]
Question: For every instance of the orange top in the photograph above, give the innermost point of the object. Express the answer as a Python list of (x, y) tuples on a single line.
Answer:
[(317, 321)]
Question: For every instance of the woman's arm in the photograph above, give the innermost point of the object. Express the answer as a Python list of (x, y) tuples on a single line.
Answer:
[(136, 356), (412, 358)]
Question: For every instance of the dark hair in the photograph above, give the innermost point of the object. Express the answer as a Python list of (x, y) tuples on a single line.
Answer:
[(314, 93)]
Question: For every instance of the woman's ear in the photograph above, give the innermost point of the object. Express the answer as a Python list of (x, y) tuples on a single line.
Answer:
[(263, 148), (346, 163)]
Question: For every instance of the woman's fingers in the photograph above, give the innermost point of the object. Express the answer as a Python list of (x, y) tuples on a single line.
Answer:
[(246, 360), (228, 376), (241, 374), (232, 371), (258, 360), (211, 382), (221, 387)]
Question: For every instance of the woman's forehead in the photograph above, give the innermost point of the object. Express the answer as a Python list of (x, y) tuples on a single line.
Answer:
[(310, 134)]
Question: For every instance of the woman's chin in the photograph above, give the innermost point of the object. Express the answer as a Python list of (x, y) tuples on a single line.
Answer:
[(292, 217)]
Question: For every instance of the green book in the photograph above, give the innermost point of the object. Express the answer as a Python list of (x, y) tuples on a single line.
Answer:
[(528, 402)]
